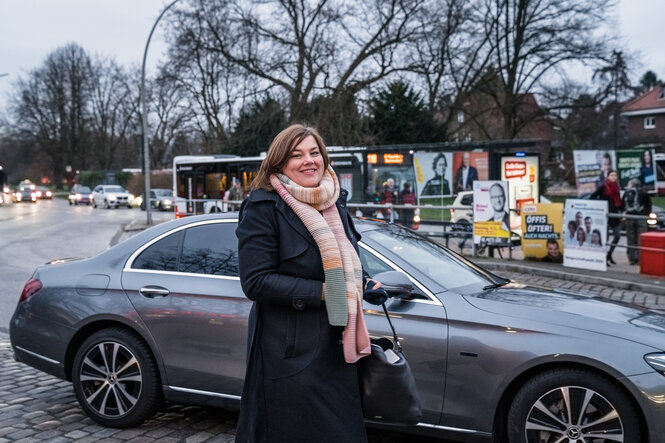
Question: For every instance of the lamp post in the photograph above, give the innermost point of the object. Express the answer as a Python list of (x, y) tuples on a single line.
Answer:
[(144, 119)]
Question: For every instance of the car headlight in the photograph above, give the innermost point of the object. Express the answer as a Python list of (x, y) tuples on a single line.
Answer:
[(131, 197), (657, 362), (653, 218), (111, 197), (167, 201)]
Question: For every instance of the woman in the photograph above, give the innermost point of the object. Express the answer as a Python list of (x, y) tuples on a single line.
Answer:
[(647, 177), (581, 237), (610, 192), (299, 264), (596, 239)]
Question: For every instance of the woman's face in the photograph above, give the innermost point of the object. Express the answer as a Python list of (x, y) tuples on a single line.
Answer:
[(580, 236), (595, 238), (613, 176), (647, 157), (305, 165)]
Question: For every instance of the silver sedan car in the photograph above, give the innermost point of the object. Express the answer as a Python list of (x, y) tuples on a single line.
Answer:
[(162, 318)]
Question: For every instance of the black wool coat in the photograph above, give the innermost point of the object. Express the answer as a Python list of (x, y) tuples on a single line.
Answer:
[(298, 388)]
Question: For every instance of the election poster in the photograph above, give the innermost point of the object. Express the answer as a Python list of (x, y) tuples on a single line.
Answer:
[(433, 173), (591, 169), (522, 175), (585, 234), (491, 218), (542, 236), (639, 164), (469, 166)]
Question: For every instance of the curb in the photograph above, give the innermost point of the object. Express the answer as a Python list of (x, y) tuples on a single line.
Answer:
[(619, 281)]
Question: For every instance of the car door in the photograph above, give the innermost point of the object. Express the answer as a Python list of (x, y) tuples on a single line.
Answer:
[(422, 328), (98, 195), (186, 289)]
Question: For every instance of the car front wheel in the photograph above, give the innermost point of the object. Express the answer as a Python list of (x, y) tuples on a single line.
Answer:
[(116, 379), (572, 405)]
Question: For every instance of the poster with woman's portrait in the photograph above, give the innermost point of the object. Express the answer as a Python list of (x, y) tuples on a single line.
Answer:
[(433, 173)]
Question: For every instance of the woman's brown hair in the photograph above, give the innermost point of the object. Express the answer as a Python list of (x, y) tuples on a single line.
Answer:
[(280, 152)]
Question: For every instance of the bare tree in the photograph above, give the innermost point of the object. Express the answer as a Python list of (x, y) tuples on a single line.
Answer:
[(298, 47), (532, 42), (113, 115), (50, 107)]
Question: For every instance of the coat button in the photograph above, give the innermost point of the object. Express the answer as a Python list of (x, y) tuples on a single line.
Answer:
[(299, 303)]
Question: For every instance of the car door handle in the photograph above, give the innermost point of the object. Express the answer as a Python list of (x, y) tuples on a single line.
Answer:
[(154, 291)]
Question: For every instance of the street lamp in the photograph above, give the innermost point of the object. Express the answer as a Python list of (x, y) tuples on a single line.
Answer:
[(144, 119)]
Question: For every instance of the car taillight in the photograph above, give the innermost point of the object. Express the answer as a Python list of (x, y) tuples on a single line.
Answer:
[(31, 287)]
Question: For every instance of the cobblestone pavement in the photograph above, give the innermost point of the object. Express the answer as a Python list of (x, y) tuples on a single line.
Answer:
[(36, 407)]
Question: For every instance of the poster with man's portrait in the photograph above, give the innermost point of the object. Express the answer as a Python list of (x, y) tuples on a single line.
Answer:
[(541, 232), (433, 173), (469, 166), (491, 215), (591, 169)]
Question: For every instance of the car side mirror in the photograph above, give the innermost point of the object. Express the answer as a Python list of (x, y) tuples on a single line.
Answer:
[(395, 283)]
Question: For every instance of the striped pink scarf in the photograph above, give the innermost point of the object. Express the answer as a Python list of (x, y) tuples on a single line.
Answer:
[(341, 265)]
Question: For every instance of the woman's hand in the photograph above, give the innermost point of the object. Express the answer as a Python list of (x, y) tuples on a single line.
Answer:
[(375, 294)]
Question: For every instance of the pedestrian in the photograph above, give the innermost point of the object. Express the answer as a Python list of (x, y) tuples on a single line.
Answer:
[(236, 194), (636, 202), (407, 197), (610, 192), (389, 195), (298, 261)]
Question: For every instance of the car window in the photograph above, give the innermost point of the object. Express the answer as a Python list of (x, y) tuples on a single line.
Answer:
[(160, 256), (425, 256), (371, 264), (210, 249), (467, 199), (114, 189)]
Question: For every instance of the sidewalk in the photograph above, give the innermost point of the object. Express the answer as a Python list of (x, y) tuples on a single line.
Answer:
[(619, 276)]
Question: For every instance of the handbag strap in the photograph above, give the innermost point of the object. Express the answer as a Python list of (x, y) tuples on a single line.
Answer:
[(397, 343)]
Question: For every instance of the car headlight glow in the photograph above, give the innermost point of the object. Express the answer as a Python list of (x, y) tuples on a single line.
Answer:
[(167, 201), (131, 197), (656, 361), (653, 218)]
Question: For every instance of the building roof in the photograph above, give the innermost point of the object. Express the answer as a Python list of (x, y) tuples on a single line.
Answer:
[(651, 102)]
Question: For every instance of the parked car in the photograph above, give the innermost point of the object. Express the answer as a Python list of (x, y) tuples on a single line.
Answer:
[(44, 193), (150, 320), (80, 195), (25, 194), (461, 213), (111, 196), (161, 199)]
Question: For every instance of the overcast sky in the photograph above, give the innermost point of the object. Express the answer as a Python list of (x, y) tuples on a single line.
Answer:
[(31, 29)]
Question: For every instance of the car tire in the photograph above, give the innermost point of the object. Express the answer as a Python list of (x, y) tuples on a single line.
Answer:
[(94, 203), (539, 411), (118, 400)]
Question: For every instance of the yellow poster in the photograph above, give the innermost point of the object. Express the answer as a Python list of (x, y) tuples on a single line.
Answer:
[(542, 226)]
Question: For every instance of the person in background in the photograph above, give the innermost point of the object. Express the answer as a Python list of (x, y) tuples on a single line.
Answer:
[(306, 327), (465, 174), (389, 195), (407, 197), (636, 202), (610, 192), (236, 193), (553, 252)]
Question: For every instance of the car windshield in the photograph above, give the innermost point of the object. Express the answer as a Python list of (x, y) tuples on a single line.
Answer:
[(83, 189), (163, 192), (427, 257), (113, 189)]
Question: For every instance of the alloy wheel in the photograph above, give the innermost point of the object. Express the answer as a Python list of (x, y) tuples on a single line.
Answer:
[(573, 414), (110, 379)]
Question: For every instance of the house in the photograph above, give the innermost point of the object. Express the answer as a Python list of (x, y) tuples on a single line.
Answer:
[(646, 119)]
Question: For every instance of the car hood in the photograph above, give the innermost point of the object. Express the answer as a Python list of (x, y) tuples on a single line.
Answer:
[(575, 310)]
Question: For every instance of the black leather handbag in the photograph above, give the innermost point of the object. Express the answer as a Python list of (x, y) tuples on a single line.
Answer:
[(387, 387)]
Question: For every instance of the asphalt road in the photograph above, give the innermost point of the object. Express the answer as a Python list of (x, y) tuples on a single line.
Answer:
[(34, 233)]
